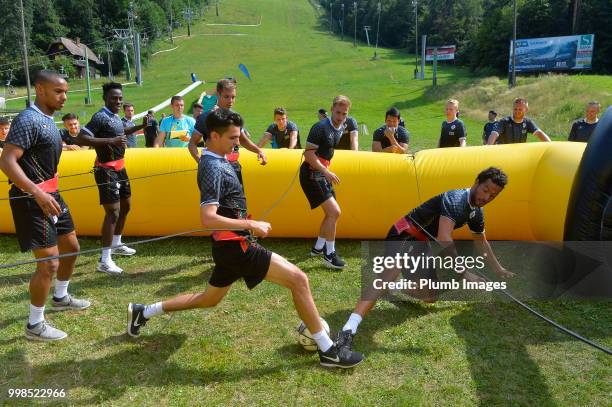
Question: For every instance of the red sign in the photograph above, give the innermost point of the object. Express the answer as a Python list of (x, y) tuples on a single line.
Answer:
[(445, 53)]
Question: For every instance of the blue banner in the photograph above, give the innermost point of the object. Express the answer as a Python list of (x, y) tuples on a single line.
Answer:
[(553, 53)]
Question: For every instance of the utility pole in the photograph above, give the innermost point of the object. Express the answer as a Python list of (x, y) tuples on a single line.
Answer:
[(187, 14), (87, 80), (513, 76), (137, 63), (377, 30), (416, 38), (128, 73), (435, 67), (172, 25), (108, 56), (355, 26), (367, 29), (423, 55), (575, 15), (342, 7), (135, 38), (26, 65), (131, 27), (331, 17)]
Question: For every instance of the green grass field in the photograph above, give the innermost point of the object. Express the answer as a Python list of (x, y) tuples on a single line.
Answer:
[(296, 64), (244, 352)]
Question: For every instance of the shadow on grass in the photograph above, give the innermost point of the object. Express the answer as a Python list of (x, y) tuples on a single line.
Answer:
[(503, 371), (149, 277), (381, 319), (142, 362)]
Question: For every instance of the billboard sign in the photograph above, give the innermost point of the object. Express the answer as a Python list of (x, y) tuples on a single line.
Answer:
[(553, 53), (445, 53)]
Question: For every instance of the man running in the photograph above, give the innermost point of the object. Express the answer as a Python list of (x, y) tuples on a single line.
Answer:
[(317, 180), (226, 96), (43, 223), (283, 133), (514, 129), (107, 134), (435, 220), (222, 207), (583, 128), (453, 133)]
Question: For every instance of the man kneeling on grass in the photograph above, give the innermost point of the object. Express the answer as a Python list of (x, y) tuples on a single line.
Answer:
[(223, 207)]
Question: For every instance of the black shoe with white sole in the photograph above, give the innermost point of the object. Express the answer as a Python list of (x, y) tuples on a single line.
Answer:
[(136, 318), (343, 358), (334, 261)]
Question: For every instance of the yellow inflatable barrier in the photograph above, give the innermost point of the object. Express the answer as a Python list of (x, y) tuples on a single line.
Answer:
[(375, 190)]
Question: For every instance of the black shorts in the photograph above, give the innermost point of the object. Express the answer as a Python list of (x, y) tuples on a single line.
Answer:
[(150, 139), (35, 230), (406, 243), (235, 260), (315, 186), (112, 185)]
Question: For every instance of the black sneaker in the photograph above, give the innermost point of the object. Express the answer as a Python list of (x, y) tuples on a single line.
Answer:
[(316, 252), (136, 318), (334, 261), (345, 339), (340, 357)]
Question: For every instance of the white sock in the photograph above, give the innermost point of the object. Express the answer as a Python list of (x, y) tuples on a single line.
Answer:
[(37, 314), (106, 256), (152, 310), (330, 246), (320, 243), (322, 340), (352, 323), (116, 240), (61, 289)]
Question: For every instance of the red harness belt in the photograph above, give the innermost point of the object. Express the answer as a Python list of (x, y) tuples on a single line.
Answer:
[(233, 156), (116, 165), (404, 225), (228, 235), (49, 185), (326, 163)]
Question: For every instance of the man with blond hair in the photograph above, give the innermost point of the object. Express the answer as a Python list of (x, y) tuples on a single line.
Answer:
[(453, 133), (317, 180), (583, 128), (514, 129)]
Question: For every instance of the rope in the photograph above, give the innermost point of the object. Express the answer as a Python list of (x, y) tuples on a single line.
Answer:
[(97, 249), (530, 309), (103, 183)]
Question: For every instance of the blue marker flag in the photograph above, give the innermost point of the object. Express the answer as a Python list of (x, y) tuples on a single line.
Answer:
[(244, 70)]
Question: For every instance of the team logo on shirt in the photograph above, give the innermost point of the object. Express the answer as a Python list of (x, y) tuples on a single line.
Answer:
[(453, 127)]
